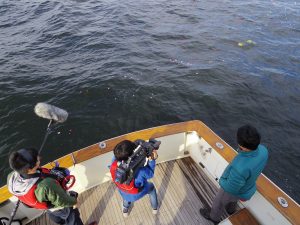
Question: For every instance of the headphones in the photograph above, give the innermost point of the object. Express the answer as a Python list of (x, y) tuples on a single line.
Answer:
[(28, 158)]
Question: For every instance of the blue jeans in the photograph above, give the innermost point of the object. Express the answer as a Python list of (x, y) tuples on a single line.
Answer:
[(153, 198)]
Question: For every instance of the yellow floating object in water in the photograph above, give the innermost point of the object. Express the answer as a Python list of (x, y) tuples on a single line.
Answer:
[(250, 42), (247, 44)]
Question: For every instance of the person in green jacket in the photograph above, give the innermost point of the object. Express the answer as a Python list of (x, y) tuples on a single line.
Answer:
[(36, 190), (238, 181)]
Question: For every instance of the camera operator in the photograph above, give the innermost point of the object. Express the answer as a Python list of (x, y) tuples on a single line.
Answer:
[(139, 185), (36, 188)]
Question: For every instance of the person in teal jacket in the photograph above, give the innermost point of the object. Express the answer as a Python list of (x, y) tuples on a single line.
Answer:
[(238, 181)]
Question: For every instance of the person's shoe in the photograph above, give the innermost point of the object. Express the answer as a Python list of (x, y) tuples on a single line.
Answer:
[(205, 212), (154, 211), (93, 223), (230, 208), (230, 212), (125, 212)]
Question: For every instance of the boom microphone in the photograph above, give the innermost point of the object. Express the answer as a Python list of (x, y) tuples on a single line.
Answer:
[(50, 112)]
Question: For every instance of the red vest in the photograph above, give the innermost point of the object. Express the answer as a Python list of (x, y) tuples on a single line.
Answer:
[(128, 188), (30, 199)]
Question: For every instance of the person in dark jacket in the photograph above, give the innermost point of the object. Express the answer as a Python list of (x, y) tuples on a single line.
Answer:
[(45, 193), (238, 181), (139, 186)]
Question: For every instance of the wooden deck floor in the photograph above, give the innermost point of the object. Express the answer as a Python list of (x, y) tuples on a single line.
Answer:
[(182, 187)]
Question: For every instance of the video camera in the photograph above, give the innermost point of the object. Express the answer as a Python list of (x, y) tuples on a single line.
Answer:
[(127, 169), (63, 176)]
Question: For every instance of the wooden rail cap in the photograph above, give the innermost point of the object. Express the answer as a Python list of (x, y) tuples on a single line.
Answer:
[(243, 217)]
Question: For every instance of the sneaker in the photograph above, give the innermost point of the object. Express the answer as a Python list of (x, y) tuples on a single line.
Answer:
[(231, 208), (125, 212), (154, 211), (205, 212), (230, 212)]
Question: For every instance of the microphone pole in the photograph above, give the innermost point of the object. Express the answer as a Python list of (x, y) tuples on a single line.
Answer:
[(48, 131), (13, 213)]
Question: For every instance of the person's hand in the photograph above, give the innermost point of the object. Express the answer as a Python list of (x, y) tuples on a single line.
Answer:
[(154, 155), (74, 194), (76, 206)]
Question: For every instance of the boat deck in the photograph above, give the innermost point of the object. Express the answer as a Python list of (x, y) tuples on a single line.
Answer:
[(182, 188)]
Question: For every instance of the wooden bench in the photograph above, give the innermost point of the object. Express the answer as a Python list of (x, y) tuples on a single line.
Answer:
[(243, 217)]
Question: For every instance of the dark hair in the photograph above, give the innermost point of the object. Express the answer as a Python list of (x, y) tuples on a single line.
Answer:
[(23, 160), (123, 150), (248, 137)]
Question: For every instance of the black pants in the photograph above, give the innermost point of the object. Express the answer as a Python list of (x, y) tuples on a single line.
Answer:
[(66, 216), (222, 201)]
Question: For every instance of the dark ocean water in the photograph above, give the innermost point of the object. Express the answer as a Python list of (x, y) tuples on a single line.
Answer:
[(121, 66)]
